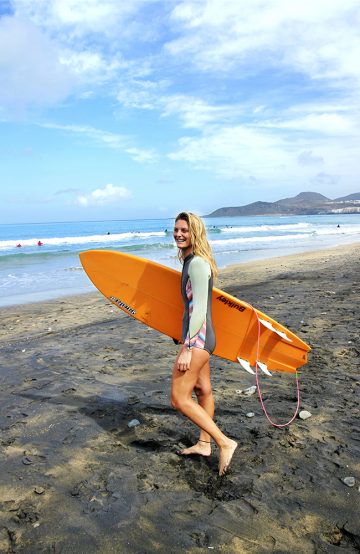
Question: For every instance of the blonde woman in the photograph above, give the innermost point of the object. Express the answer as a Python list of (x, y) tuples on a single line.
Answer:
[(191, 370)]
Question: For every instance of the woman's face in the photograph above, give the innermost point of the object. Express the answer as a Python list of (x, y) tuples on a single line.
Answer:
[(182, 235)]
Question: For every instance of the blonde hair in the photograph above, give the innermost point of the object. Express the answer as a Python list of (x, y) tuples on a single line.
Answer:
[(199, 242)]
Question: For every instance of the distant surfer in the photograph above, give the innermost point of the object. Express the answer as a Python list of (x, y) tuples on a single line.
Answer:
[(18, 245), (40, 243), (191, 371)]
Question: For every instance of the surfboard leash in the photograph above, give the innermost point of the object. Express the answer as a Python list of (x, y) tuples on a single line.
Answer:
[(279, 426)]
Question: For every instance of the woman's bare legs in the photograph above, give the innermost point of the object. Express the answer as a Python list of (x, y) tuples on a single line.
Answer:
[(183, 384), (205, 398)]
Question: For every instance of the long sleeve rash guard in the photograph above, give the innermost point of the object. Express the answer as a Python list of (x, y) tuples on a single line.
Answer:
[(196, 289)]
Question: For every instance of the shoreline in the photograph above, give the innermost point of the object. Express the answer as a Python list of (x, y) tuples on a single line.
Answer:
[(246, 265), (75, 477)]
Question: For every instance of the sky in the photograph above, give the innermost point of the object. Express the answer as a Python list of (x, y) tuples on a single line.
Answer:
[(142, 109)]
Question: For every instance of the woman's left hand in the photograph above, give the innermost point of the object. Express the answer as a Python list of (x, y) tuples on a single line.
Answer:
[(184, 359)]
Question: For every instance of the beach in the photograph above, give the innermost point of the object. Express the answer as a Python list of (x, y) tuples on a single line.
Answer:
[(88, 437)]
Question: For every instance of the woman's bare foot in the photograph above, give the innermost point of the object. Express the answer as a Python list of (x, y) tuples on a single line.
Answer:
[(226, 454), (201, 447)]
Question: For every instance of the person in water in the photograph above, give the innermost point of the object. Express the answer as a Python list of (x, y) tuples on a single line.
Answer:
[(191, 371)]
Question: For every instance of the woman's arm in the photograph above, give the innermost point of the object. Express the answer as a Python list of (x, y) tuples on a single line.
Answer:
[(199, 274)]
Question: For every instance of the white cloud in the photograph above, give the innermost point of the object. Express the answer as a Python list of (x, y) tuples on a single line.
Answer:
[(325, 179), (30, 68), (52, 49), (196, 113), (111, 140), (91, 67), (307, 157), (319, 38), (141, 155), (135, 92), (327, 124), (100, 197), (235, 152), (272, 144), (271, 157), (81, 16)]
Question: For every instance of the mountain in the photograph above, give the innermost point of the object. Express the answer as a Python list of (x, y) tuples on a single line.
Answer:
[(305, 198), (305, 203), (355, 196)]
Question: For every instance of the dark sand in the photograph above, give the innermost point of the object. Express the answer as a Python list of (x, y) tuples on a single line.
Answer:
[(74, 478)]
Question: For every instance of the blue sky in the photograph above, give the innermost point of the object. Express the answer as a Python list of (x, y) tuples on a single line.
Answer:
[(117, 110)]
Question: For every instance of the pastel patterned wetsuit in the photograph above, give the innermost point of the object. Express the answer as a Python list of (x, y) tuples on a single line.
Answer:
[(196, 290)]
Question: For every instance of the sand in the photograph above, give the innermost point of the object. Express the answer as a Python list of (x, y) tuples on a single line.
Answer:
[(74, 477)]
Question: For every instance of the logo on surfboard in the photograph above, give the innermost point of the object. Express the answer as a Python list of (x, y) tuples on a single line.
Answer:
[(122, 305), (230, 303)]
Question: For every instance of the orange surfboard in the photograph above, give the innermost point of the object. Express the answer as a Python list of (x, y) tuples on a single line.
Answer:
[(150, 293)]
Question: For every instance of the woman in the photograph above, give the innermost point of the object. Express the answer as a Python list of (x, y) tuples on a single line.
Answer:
[(191, 369)]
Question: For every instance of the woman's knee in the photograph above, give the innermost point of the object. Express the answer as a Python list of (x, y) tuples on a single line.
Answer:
[(178, 402), (174, 401), (203, 389)]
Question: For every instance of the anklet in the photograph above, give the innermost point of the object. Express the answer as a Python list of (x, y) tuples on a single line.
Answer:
[(207, 442)]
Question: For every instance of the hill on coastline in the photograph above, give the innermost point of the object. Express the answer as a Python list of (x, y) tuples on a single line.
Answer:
[(305, 203)]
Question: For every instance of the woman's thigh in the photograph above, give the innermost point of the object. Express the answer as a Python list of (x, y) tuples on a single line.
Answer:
[(183, 382)]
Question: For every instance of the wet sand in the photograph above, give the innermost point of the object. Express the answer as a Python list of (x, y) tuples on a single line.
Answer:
[(75, 478)]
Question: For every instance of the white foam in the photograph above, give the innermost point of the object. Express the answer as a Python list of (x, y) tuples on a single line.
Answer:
[(265, 228), (267, 239), (59, 241)]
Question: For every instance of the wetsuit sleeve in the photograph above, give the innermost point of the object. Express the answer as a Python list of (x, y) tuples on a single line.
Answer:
[(199, 274)]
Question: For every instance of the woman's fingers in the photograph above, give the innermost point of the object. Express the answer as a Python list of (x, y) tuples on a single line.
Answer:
[(184, 360), (183, 366)]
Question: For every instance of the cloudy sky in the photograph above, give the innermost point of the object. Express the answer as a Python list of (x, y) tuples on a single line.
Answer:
[(116, 110)]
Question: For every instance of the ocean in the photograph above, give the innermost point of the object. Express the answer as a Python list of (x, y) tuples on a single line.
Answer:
[(33, 272)]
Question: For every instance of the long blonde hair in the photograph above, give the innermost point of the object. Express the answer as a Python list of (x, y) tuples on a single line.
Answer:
[(199, 242)]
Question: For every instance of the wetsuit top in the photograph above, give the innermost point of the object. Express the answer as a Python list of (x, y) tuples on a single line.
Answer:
[(196, 290)]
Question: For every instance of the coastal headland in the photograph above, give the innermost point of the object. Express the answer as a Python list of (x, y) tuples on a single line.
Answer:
[(305, 203), (88, 457)]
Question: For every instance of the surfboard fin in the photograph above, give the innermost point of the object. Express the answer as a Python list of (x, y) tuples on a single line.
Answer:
[(268, 325), (283, 335), (264, 368), (246, 365)]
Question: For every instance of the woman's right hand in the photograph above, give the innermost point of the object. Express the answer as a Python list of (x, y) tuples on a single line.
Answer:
[(184, 359)]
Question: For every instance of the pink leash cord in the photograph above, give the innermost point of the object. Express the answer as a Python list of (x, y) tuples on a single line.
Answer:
[(258, 384)]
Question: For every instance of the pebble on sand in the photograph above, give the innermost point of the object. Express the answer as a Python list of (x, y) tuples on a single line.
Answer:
[(304, 414), (133, 423), (250, 390), (349, 481)]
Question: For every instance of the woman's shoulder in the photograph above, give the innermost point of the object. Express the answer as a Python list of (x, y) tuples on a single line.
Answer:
[(198, 263)]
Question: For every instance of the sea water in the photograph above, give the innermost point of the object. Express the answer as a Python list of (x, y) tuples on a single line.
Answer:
[(31, 272)]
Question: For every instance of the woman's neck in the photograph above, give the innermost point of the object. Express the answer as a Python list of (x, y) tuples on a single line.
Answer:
[(185, 253)]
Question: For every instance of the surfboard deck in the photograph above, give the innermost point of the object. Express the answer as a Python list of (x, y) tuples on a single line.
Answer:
[(150, 293)]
